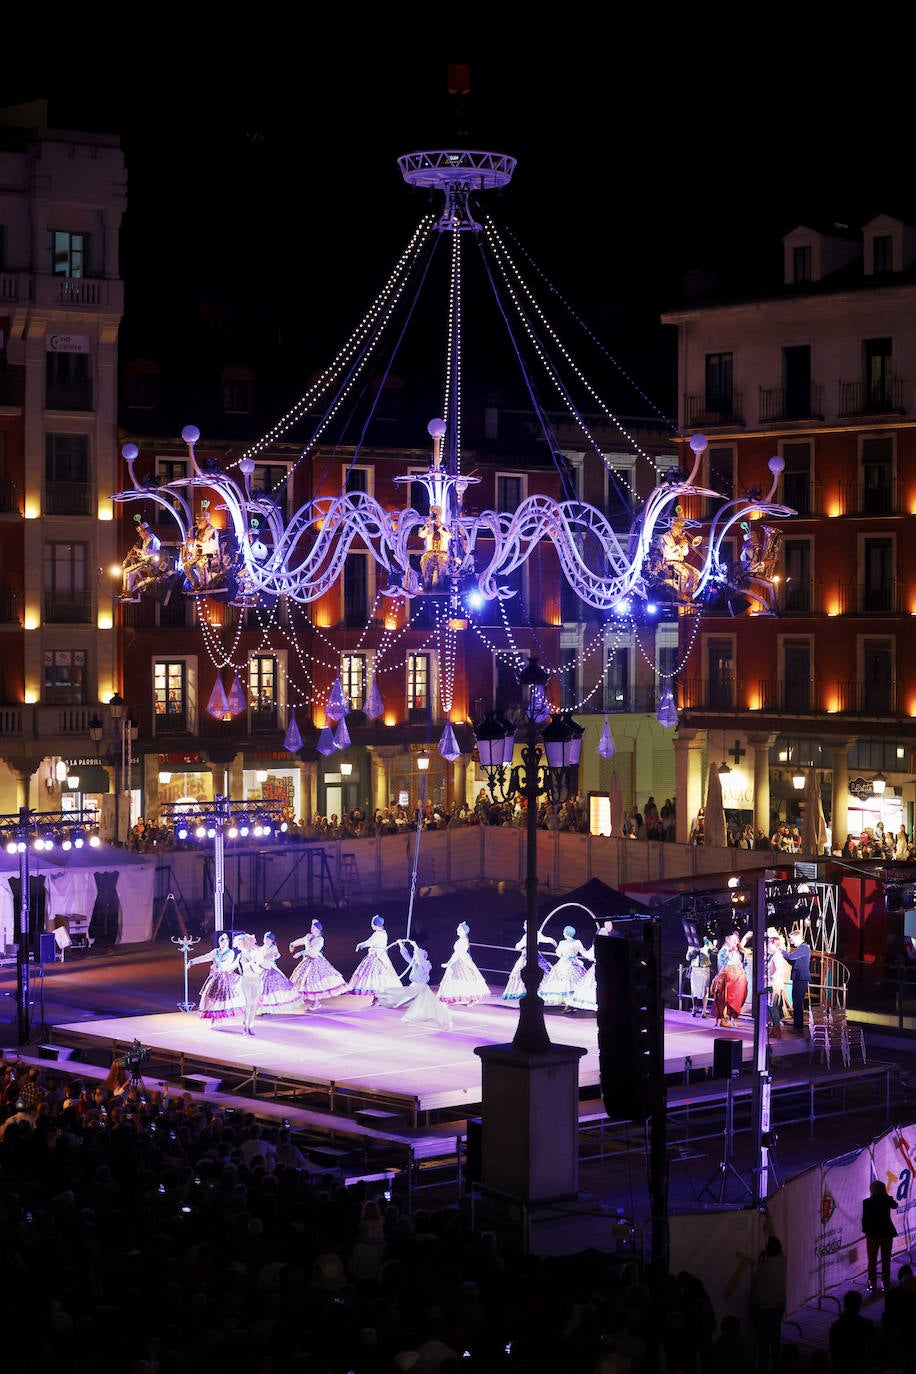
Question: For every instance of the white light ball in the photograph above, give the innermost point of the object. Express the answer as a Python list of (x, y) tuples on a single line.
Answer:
[(776, 464), (129, 452), (190, 434), (436, 428), (699, 443)]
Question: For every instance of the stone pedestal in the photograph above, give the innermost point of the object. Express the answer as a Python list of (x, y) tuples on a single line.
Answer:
[(530, 1121)]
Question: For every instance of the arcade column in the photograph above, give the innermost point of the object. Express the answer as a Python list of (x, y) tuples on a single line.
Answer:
[(839, 799), (688, 762), (761, 746)]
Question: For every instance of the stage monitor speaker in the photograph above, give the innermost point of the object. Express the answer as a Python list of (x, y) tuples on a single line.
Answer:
[(630, 1022), (473, 1150), (47, 947), (726, 1058)]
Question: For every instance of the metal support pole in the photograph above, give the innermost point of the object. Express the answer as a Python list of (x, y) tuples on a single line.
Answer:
[(761, 1094), (22, 947), (219, 866), (531, 1031)]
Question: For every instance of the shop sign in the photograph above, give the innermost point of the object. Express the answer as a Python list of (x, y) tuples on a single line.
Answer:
[(179, 758), (861, 788), (69, 343)]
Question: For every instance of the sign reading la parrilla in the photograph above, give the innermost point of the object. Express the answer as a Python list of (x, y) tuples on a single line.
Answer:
[(861, 788)]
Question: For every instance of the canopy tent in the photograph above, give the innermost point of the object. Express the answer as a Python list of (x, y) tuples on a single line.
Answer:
[(110, 885)]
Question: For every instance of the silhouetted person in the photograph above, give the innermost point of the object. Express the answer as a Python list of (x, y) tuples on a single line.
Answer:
[(879, 1232), (853, 1338)]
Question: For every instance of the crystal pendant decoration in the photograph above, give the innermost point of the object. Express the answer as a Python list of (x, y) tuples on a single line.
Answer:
[(448, 745), (337, 704), (218, 705), (236, 698), (538, 706), (292, 740), (606, 746), (374, 706), (342, 736), (325, 742), (667, 711)]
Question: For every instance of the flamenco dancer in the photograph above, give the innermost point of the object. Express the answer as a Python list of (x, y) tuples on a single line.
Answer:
[(315, 977), (221, 995), (585, 997), (375, 971), (462, 982), (562, 982), (251, 977), (515, 988), (277, 992), (729, 991)]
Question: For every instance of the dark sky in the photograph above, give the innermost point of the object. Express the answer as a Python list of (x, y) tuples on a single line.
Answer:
[(642, 151)]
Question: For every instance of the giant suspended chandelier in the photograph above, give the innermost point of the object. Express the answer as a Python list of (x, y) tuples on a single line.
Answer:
[(443, 551)]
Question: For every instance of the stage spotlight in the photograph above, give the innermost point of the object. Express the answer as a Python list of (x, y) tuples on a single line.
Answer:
[(201, 832), (11, 847), (769, 1140), (79, 839), (66, 844), (182, 832), (94, 842), (233, 832), (211, 832), (244, 831)]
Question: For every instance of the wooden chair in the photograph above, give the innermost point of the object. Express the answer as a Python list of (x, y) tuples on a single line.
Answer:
[(819, 1033), (853, 1037)]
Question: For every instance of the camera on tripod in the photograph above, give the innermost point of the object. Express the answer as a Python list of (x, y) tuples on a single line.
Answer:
[(134, 1057)]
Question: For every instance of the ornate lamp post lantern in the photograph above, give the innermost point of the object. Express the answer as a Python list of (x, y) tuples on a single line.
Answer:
[(530, 1090)]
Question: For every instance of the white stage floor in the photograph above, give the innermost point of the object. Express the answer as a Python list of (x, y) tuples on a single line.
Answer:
[(357, 1052)]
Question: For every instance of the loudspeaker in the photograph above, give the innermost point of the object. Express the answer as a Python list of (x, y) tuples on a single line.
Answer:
[(473, 1149), (630, 1022), (47, 947), (726, 1058)]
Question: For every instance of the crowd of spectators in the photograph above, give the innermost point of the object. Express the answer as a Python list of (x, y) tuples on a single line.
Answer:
[(148, 836), (153, 1233)]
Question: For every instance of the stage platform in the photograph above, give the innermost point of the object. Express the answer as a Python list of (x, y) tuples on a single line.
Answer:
[(350, 1058)]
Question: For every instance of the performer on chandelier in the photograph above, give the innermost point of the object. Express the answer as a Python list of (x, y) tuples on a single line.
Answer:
[(462, 982), (252, 978), (375, 970), (561, 983), (515, 988), (315, 977), (221, 995), (277, 992), (585, 997)]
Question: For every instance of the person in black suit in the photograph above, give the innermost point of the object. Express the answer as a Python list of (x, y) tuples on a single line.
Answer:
[(799, 956), (879, 1232)]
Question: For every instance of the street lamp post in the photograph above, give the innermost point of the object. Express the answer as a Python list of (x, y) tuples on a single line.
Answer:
[(530, 1095), (126, 732)]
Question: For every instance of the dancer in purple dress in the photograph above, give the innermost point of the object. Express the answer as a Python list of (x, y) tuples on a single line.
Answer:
[(277, 992), (315, 977), (221, 995), (561, 983), (375, 970)]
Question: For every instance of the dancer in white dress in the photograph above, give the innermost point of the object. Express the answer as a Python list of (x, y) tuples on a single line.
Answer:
[(418, 998), (515, 988), (315, 977), (277, 992), (252, 971), (375, 971), (559, 987), (462, 982), (585, 997)]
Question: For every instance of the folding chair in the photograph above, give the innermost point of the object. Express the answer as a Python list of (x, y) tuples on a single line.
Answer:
[(852, 1036), (818, 1033)]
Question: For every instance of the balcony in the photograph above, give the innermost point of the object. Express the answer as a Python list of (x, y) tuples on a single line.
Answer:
[(78, 293), (171, 722), (797, 697), (9, 496), (871, 498), (68, 498), (15, 286), (712, 694), (638, 700), (260, 721), (857, 598), (873, 699), (67, 608), (706, 412), (876, 398), (64, 720), (777, 404), (799, 598)]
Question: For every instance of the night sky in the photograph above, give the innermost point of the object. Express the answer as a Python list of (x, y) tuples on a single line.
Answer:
[(640, 154)]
